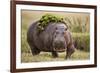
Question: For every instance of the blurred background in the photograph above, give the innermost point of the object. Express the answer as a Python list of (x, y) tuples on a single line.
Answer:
[(79, 25)]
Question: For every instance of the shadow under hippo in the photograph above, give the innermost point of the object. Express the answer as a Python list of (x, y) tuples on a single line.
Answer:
[(54, 38)]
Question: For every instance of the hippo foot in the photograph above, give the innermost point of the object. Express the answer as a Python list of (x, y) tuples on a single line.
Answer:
[(35, 52), (67, 58), (54, 54)]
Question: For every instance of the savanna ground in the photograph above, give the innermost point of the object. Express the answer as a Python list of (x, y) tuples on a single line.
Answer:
[(78, 24)]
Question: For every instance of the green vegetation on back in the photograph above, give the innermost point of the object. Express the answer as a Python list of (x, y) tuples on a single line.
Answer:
[(46, 19)]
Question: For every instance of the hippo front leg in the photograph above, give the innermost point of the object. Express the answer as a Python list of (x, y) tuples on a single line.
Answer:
[(70, 50), (54, 54)]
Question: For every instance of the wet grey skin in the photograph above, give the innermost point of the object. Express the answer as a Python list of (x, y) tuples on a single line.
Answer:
[(55, 38)]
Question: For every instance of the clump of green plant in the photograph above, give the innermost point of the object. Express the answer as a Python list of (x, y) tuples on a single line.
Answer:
[(82, 41), (46, 19)]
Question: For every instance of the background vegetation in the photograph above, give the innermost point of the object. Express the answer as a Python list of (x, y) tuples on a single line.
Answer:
[(78, 24)]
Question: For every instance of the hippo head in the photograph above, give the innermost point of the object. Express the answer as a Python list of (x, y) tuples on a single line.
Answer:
[(59, 42)]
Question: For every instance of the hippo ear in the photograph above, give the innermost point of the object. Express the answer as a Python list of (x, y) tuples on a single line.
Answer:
[(66, 29)]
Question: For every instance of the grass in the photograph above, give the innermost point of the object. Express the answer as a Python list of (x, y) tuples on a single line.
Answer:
[(81, 41), (47, 56), (76, 22)]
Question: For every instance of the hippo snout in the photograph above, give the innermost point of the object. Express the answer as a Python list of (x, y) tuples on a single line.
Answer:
[(59, 45)]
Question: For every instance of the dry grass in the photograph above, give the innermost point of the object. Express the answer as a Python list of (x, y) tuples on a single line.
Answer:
[(46, 56)]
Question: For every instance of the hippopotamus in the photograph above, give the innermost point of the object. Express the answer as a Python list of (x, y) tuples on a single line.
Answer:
[(55, 38)]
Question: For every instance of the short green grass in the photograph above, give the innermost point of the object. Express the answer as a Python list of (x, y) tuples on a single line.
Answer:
[(47, 56)]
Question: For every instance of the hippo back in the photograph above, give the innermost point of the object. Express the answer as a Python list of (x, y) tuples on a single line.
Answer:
[(43, 40)]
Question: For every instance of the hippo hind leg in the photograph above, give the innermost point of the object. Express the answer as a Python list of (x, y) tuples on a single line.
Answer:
[(34, 50), (70, 51)]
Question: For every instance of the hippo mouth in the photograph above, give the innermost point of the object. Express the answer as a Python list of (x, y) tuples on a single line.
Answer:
[(59, 49)]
